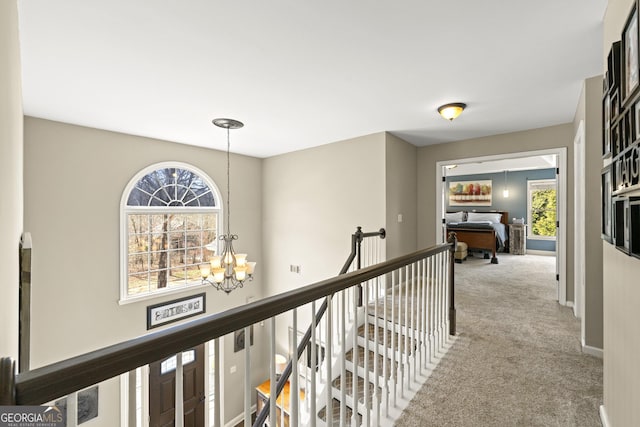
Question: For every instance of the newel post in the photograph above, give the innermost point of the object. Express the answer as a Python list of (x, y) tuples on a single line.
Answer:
[(7, 382), (453, 240)]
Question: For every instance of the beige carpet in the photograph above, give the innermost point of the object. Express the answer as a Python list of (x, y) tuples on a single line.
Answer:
[(517, 360)]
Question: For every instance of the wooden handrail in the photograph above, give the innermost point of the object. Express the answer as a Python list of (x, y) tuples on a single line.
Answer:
[(61, 378)]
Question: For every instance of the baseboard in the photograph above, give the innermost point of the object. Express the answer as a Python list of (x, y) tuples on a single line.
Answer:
[(239, 419), (593, 351), (569, 304), (603, 417), (540, 252)]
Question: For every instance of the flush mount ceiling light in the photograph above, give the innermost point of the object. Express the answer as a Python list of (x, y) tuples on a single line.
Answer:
[(451, 111)]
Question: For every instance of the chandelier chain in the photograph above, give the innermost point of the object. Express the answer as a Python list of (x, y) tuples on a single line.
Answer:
[(228, 185)]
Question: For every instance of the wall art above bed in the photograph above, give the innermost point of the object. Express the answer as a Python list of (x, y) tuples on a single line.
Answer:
[(476, 193)]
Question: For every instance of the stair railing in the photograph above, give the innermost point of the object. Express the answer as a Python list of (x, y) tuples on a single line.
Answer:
[(364, 297), (356, 254), (44, 384)]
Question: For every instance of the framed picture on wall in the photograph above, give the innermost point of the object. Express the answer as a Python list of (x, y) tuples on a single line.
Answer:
[(470, 193), (606, 189), (636, 111), (630, 53), (606, 126)]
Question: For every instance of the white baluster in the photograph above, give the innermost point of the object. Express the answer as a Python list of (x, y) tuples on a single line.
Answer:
[(439, 301), (423, 314), (272, 375), (328, 358), (179, 392), (436, 307), (311, 393), (343, 374), (413, 320), (407, 326), (376, 356), (217, 387), (395, 366), (385, 345), (419, 307), (367, 360), (401, 315), (442, 275), (247, 376), (432, 307), (356, 358), (294, 394)]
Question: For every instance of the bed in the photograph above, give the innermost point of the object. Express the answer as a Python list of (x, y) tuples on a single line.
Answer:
[(485, 231)]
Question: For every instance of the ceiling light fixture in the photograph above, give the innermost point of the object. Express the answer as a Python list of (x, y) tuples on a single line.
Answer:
[(230, 270), (451, 111)]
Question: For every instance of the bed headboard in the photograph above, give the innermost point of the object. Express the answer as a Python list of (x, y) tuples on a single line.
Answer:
[(503, 219)]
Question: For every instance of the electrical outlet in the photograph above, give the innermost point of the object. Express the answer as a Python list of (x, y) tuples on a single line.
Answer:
[(294, 269)]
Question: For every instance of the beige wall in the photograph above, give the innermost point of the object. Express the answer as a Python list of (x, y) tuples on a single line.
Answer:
[(74, 179), (530, 140), (590, 112), (313, 201), (621, 295), (11, 207), (401, 196)]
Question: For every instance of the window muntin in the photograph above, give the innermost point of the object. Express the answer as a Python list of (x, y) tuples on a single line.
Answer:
[(541, 209), (171, 363), (171, 215)]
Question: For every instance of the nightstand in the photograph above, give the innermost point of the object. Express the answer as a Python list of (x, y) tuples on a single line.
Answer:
[(518, 239)]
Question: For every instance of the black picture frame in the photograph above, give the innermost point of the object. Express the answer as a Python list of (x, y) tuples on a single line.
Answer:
[(239, 339), (630, 61), (606, 189), (614, 66), (606, 126), (175, 310), (634, 226), (621, 223), (636, 114), (615, 105)]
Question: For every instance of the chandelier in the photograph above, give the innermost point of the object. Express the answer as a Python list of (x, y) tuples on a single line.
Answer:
[(229, 270)]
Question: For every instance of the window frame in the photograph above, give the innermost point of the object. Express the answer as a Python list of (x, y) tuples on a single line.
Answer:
[(531, 184), (125, 210)]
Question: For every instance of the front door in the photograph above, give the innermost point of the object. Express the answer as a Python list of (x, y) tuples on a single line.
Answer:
[(162, 389)]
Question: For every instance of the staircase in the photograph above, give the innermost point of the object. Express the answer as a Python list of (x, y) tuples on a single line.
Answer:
[(389, 360), (382, 336)]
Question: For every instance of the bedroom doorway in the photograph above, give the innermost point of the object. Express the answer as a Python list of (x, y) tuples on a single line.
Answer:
[(502, 166)]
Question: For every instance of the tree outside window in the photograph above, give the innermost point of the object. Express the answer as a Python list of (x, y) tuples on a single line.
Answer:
[(542, 207), (171, 216)]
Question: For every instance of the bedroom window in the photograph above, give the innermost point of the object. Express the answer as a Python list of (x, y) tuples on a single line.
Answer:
[(541, 208), (170, 218)]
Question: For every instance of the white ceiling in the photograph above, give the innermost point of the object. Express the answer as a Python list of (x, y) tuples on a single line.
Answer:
[(510, 165), (303, 73)]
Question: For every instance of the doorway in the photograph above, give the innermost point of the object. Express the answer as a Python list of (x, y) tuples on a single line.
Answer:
[(560, 154), (164, 384)]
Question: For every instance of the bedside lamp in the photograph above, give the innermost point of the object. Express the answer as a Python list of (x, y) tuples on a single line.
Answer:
[(281, 364)]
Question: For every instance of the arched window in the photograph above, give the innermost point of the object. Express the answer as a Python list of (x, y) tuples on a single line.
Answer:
[(171, 215)]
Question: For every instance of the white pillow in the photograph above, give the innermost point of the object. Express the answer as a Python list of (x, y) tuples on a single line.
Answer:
[(454, 217), (481, 216)]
